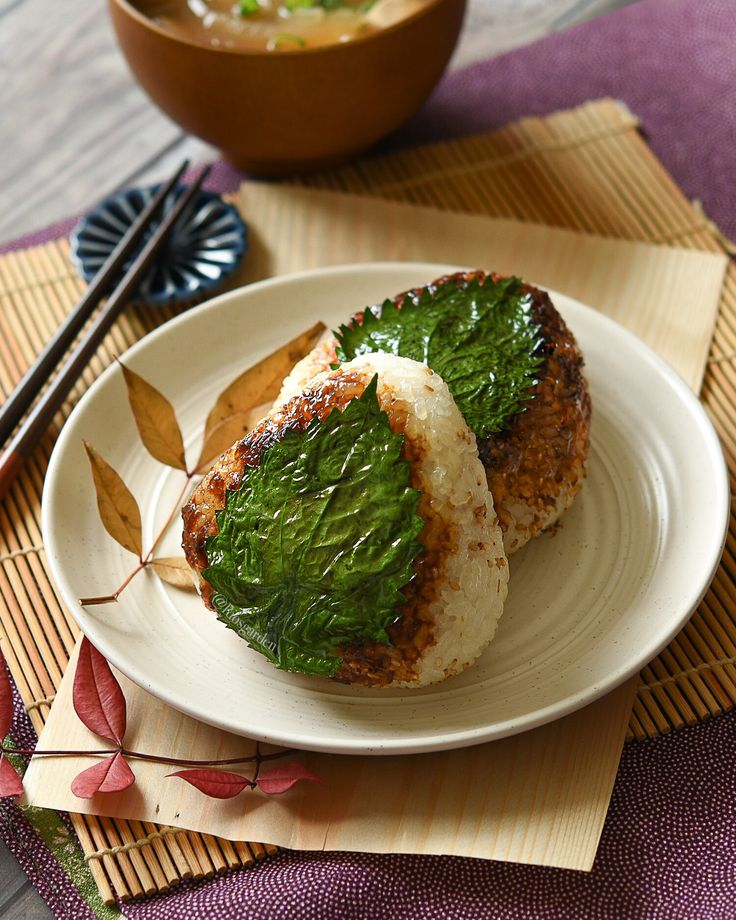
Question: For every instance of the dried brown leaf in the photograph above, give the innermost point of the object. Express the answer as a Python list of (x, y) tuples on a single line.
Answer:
[(174, 570), (156, 421), (118, 509), (230, 430), (258, 385)]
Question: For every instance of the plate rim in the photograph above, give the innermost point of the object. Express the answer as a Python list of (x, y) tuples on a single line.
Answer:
[(448, 739)]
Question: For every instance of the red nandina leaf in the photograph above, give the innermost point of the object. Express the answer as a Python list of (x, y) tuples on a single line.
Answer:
[(219, 784), (6, 700), (109, 775), (98, 699), (10, 782), (282, 778)]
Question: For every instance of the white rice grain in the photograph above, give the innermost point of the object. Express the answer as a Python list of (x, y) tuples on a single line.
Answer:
[(472, 586)]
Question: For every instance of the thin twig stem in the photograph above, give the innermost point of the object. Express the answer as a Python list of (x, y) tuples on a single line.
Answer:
[(169, 519), (96, 601), (182, 761), (259, 760), (112, 598), (256, 758), (141, 565), (30, 752)]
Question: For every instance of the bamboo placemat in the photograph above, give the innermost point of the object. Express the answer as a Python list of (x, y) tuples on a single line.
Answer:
[(587, 170)]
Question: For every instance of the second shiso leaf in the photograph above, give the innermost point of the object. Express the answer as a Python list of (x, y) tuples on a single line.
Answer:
[(480, 337)]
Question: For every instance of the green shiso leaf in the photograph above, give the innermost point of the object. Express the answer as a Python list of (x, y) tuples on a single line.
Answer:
[(248, 7), (285, 38), (315, 547), (328, 5), (480, 337)]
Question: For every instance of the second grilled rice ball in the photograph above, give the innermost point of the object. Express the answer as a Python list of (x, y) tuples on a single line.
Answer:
[(536, 466)]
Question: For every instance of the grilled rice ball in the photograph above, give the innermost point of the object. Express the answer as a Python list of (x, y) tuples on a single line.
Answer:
[(535, 466), (458, 581)]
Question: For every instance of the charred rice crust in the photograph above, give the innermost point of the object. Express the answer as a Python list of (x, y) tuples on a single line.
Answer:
[(412, 633), (540, 458)]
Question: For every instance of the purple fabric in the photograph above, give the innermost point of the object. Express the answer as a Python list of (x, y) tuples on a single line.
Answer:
[(668, 851)]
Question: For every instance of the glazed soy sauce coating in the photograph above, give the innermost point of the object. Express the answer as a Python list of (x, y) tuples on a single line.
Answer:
[(540, 458)]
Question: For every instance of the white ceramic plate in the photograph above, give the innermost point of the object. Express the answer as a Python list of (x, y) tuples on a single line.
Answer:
[(587, 606)]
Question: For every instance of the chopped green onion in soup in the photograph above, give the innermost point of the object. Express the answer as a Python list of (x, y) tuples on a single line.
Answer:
[(270, 25)]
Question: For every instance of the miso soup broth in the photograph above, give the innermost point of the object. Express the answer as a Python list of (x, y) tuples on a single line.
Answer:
[(263, 25)]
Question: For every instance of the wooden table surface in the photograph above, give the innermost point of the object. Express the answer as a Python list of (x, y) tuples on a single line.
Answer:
[(75, 127)]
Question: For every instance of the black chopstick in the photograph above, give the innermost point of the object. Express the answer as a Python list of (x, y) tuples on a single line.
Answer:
[(40, 416), (16, 405)]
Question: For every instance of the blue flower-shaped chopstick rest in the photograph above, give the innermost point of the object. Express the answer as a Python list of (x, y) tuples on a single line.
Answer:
[(206, 246)]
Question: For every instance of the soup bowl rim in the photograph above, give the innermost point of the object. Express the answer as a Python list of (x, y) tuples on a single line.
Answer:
[(131, 10)]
